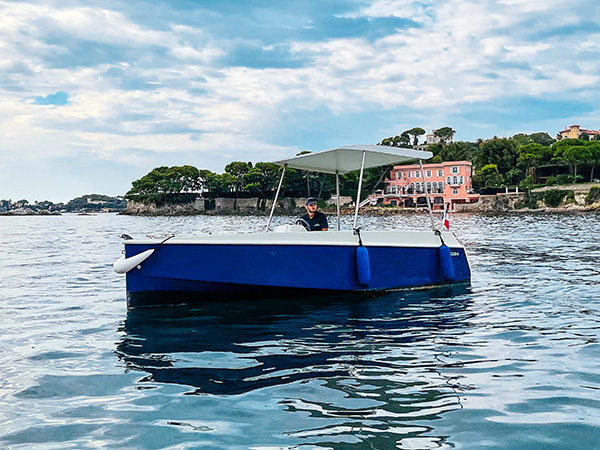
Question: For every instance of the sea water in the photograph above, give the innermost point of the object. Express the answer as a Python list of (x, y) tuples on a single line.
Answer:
[(510, 362)]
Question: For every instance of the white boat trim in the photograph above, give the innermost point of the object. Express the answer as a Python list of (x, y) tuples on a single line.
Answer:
[(411, 239)]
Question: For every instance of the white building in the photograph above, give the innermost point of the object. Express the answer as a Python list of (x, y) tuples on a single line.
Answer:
[(431, 138)]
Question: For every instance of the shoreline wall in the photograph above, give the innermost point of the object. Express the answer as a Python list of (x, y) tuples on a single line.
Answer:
[(241, 206), (295, 206)]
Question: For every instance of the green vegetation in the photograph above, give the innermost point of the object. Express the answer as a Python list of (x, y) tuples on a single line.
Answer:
[(95, 202), (488, 176), (445, 134), (90, 202), (551, 198), (183, 184), (524, 160), (593, 195), (554, 197)]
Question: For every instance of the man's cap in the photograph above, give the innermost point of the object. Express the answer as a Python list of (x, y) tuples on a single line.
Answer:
[(310, 200)]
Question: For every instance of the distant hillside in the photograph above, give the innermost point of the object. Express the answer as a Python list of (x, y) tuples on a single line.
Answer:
[(96, 202)]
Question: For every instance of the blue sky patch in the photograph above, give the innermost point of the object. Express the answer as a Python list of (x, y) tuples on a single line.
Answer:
[(58, 99)]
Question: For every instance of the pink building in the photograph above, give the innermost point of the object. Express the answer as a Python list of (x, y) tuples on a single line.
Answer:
[(446, 182)]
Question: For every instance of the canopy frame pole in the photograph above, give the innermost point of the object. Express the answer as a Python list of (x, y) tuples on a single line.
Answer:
[(276, 198), (360, 180), (427, 196), (337, 193)]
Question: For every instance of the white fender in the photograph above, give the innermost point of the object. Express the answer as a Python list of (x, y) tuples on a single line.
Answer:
[(124, 265)]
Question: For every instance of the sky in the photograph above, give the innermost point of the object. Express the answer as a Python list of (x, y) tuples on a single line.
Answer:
[(94, 95)]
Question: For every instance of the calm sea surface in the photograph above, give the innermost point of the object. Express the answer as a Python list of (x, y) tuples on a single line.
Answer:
[(511, 362)]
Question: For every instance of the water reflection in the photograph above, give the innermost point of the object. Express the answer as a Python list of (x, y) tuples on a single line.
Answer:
[(367, 369)]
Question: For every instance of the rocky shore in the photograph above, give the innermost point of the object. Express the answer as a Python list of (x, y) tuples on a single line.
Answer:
[(564, 198), (217, 206), (487, 205), (29, 212)]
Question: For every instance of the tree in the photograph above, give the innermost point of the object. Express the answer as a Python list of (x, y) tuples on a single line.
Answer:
[(181, 179), (89, 202), (457, 151), (487, 177), (445, 134), (206, 179), (294, 182), (542, 138), (572, 152), (238, 169), (306, 173), (499, 151), (224, 183), (149, 183), (593, 156), (374, 176), (167, 180), (402, 140), (262, 178), (533, 155), (415, 133)]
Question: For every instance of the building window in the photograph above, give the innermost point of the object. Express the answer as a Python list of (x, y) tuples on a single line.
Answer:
[(410, 174), (455, 180), (429, 186), (462, 180), (441, 186), (417, 174), (454, 191), (440, 173), (398, 175), (428, 173), (454, 169)]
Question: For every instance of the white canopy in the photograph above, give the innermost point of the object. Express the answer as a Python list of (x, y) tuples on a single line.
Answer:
[(348, 158)]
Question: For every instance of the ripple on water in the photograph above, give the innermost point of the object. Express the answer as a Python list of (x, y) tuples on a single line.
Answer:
[(510, 362)]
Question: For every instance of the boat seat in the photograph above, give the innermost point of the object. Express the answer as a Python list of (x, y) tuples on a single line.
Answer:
[(289, 228)]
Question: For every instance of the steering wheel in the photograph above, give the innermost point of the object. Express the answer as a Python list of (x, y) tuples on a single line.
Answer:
[(304, 223)]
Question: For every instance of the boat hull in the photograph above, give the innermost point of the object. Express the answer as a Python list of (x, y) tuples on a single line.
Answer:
[(208, 271)]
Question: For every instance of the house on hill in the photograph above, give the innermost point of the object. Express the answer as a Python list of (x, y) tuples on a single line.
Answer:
[(576, 132), (432, 138)]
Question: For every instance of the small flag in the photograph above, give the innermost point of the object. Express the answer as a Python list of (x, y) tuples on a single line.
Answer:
[(445, 221)]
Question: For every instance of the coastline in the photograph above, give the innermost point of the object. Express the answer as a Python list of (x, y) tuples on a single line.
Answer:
[(572, 199), (386, 211), (366, 210), (29, 212)]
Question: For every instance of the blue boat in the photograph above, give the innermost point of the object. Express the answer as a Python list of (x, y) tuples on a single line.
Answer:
[(289, 261)]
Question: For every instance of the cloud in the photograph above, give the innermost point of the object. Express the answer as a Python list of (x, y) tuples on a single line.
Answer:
[(119, 84)]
